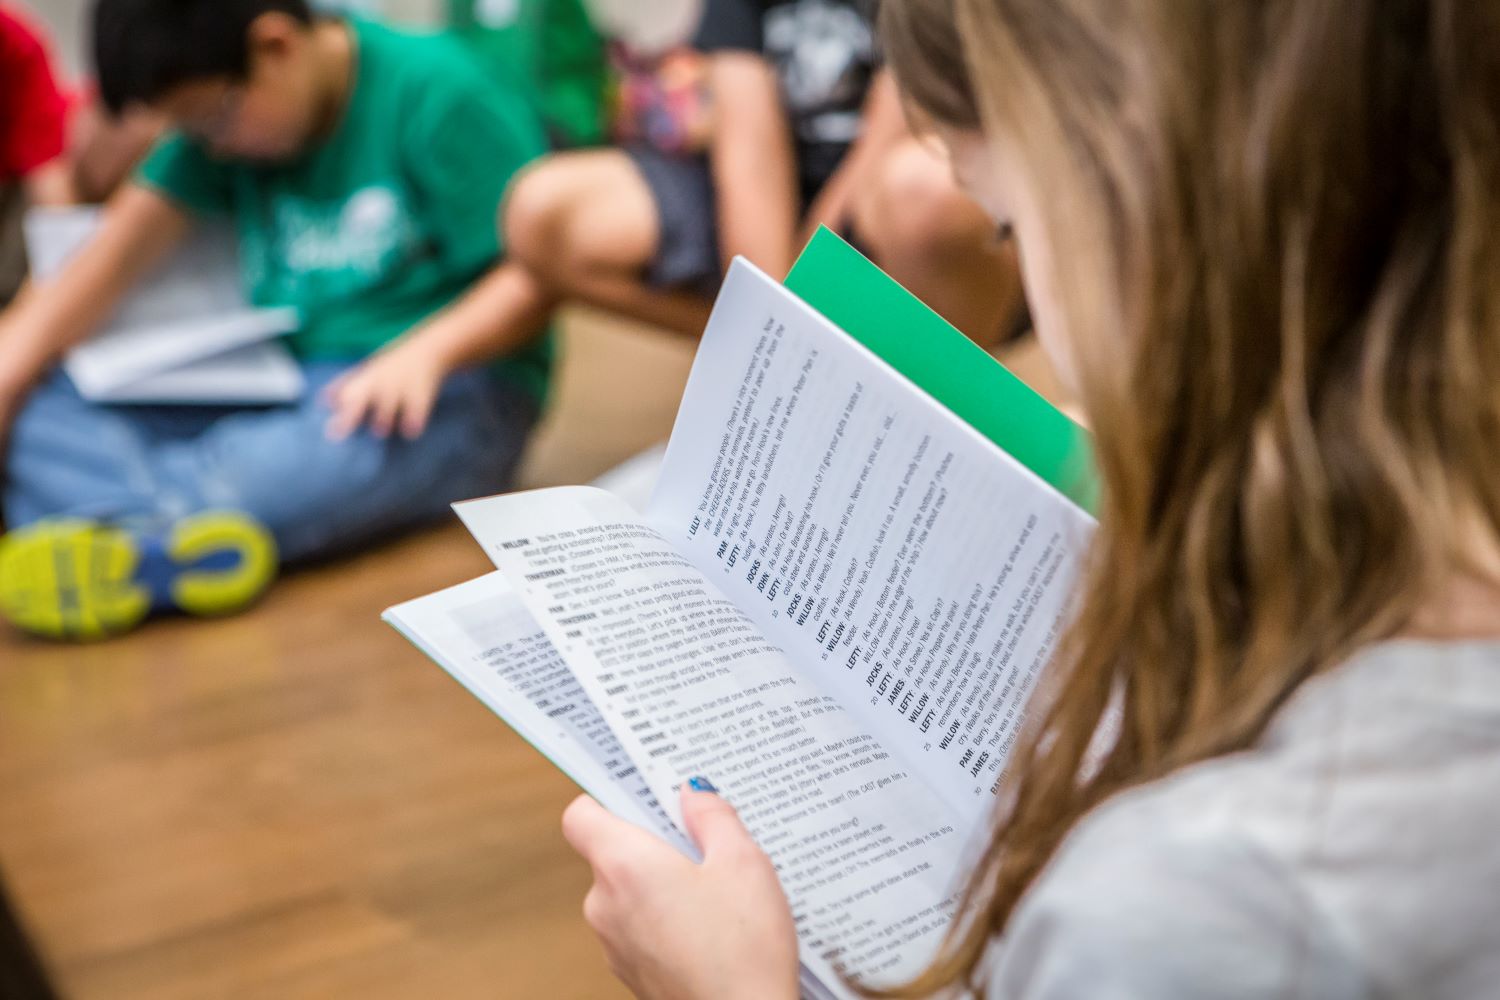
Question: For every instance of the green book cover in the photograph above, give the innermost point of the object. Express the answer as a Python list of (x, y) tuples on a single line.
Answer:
[(857, 296)]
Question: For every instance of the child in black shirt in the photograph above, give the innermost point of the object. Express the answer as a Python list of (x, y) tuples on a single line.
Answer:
[(775, 118)]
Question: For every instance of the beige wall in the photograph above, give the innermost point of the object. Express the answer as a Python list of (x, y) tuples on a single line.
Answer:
[(65, 19)]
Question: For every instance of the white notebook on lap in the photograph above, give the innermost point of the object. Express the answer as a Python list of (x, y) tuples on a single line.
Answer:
[(185, 335)]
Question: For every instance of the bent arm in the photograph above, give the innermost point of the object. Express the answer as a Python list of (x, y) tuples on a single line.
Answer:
[(503, 312), (139, 228), (753, 163)]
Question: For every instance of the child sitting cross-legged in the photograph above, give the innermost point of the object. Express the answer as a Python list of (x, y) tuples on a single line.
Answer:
[(362, 169)]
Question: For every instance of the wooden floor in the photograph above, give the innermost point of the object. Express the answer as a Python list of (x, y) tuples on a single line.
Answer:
[(294, 803)]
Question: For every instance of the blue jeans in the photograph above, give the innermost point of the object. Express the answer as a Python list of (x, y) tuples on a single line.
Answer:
[(144, 467)]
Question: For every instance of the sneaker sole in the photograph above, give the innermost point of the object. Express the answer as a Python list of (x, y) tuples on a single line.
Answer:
[(77, 579)]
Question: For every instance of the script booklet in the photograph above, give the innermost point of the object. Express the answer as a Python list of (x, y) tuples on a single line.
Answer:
[(835, 606)]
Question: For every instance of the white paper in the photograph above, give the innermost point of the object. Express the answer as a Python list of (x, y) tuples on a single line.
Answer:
[(866, 852), (253, 374), (872, 534), (178, 336), (481, 634)]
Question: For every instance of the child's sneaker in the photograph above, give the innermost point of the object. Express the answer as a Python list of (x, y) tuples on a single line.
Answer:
[(67, 578)]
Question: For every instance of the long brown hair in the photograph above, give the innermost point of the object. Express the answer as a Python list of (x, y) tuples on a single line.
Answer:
[(1284, 216)]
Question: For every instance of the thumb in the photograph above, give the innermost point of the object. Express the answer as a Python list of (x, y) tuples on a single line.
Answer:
[(586, 824), (712, 822)]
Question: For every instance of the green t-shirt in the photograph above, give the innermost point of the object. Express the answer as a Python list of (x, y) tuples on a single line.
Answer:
[(392, 216), (548, 47)]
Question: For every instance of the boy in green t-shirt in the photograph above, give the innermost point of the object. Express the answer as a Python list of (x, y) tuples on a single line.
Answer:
[(363, 170)]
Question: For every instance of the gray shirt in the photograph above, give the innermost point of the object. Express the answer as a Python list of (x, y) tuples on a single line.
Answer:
[(1353, 852)]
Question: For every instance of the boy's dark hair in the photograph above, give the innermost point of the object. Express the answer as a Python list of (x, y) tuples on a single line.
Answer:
[(144, 48)]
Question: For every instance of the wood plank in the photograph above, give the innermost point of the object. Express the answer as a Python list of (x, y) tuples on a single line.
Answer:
[(292, 802)]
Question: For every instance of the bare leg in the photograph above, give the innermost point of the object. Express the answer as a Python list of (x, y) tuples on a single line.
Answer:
[(929, 236), (586, 224)]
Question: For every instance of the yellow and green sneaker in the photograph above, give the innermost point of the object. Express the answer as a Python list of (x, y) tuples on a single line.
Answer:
[(69, 578)]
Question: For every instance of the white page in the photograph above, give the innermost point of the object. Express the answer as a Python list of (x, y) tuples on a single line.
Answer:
[(191, 308), (866, 852), (117, 362), (917, 569), (481, 634), (255, 373)]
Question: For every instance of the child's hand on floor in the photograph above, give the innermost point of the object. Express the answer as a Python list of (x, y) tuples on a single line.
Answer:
[(395, 389)]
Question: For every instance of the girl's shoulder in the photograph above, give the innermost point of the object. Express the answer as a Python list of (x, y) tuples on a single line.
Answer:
[(1346, 854)]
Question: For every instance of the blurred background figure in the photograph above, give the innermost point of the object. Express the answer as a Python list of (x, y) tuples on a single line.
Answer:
[(740, 126), (365, 201), (57, 144), (33, 139)]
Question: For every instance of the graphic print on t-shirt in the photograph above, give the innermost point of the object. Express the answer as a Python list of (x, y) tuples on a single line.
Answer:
[(825, 55), (341, 245)]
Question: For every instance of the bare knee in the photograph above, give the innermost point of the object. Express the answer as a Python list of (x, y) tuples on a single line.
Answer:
[(575, 216), (537, 222)]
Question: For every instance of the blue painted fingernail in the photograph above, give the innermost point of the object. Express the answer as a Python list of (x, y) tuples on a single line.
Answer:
[(702, 785)]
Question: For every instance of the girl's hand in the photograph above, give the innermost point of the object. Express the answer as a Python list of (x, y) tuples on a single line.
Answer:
[(675, 930), (396, 388)]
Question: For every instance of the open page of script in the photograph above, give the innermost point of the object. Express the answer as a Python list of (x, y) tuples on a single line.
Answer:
[(916, 570), (867, 853), (482, 634)]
